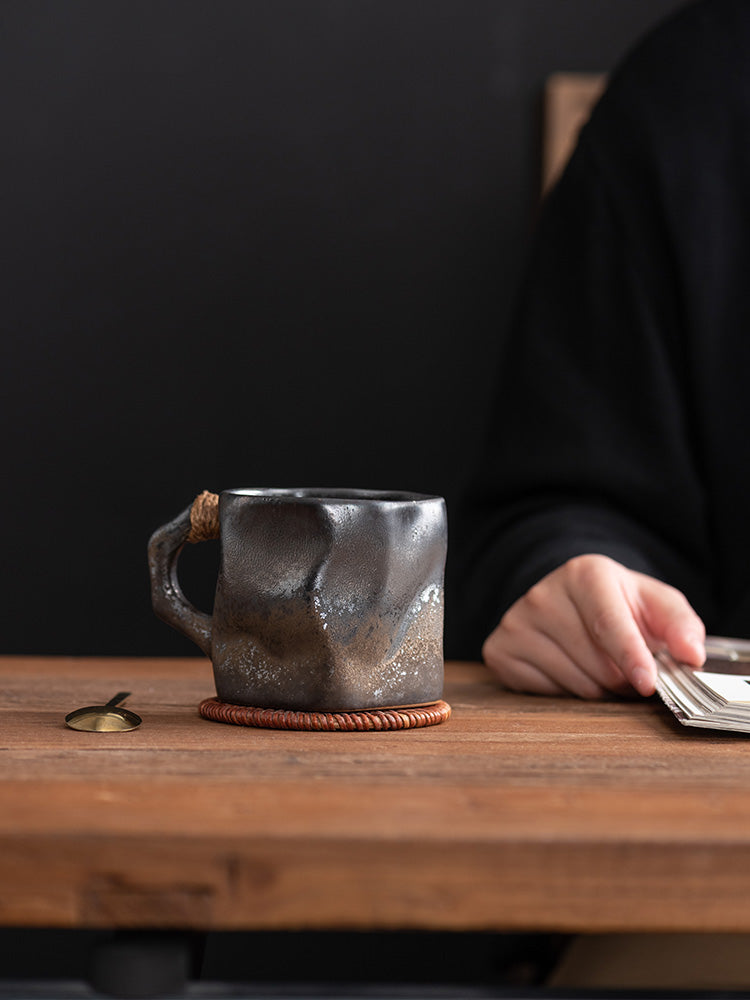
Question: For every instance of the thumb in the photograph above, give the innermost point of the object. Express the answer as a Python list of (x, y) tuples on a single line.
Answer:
[(669, 621)]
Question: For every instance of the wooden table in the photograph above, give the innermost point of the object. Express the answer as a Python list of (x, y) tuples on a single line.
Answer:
[(519, 813)]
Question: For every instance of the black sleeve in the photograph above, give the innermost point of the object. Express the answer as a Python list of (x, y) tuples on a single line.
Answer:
[(589, 447)]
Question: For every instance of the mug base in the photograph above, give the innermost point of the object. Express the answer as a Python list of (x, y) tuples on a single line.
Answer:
[(369, 720)]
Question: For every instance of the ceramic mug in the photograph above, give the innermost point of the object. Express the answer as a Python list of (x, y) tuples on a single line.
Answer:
[(326, 600)]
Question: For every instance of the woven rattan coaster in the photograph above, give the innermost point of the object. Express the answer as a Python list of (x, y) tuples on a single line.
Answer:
[(372, 720)]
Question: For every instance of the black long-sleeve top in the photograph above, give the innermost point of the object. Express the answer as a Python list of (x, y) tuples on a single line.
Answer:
[(622, 418)]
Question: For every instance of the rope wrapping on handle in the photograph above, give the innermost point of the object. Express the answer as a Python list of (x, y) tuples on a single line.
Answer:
[(204, 518)]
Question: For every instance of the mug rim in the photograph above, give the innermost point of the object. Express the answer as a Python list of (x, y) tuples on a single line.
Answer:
[(326, 494)]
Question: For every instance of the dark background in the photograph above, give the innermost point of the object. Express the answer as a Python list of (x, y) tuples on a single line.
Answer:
[(252, 243)]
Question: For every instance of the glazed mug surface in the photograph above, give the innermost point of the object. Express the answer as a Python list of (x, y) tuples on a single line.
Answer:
[(326, 600)]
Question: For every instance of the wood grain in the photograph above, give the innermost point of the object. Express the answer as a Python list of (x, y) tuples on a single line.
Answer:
[(519, 813)]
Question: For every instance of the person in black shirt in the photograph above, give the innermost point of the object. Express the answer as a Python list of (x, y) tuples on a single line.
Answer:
[(611, 514)]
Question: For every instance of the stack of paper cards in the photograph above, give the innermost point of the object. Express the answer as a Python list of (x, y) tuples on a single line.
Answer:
[(716, 697)]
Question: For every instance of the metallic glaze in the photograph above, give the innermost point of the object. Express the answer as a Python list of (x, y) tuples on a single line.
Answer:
[(326, 600)]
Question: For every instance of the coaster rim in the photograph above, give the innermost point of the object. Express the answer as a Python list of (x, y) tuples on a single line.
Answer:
[(363, 720)]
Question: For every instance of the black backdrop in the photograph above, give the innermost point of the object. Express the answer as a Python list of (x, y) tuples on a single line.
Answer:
[(270, 242)]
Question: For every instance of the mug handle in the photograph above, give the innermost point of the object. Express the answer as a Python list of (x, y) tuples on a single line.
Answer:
[(197, 523)]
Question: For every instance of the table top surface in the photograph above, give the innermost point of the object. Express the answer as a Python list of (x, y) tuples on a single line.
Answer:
[(518, 813)]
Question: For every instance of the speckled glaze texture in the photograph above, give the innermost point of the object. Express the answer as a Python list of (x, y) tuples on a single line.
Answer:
[(327, 600)]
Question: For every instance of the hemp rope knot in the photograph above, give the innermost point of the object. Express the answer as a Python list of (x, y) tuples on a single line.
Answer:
[(204, 517)]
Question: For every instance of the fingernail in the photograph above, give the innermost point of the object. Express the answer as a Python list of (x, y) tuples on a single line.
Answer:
[(643, 681), (699, 648)]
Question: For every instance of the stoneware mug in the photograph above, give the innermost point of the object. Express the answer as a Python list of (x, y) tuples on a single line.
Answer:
[(326, 600)]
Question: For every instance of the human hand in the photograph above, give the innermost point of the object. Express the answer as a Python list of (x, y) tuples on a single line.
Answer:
[(589, 629)]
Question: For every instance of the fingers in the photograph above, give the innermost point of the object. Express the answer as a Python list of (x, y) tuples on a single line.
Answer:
[(668, 620), (527, 660), (559, 618), (521, 675), (599, 590), (543, 636)]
